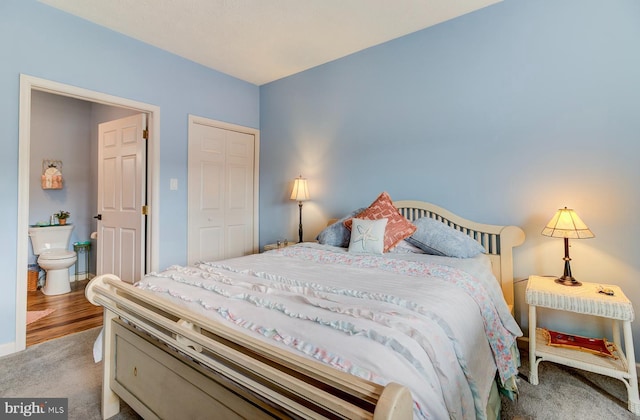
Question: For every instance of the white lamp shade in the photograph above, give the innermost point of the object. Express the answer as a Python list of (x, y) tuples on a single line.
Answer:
[(300, 190), (567, 224)]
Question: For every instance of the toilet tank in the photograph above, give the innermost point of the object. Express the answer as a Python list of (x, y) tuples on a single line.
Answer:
[(50, 237)]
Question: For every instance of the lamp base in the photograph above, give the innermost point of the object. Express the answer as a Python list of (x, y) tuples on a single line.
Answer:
[(568, 281)]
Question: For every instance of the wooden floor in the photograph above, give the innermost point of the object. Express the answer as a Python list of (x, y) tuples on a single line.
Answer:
[(72, 313)]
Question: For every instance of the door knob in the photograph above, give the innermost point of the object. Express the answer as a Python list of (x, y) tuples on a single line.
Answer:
[(99, 217)]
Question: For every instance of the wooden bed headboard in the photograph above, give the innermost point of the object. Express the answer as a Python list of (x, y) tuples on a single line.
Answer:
[(498, 241)]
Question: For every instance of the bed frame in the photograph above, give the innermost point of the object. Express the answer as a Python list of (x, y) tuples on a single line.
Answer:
[(151, 345)]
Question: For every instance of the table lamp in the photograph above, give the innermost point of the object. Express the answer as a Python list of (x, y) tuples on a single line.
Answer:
[(300, 193), (566, 224)]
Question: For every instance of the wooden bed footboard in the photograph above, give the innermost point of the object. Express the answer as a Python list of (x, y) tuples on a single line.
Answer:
[(167, 362)]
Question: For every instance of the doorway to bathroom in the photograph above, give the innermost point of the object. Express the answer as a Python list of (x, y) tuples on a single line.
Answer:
[(42, 102)]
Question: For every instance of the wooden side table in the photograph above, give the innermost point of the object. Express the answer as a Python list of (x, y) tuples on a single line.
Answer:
[(585, 299)]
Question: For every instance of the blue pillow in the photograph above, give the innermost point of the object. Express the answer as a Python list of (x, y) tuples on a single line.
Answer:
[(437, 238), (337, 234)]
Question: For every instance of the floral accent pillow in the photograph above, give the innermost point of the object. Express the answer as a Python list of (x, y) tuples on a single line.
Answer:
[(367, 236), (398, 227), (437, 238), (336, 234)]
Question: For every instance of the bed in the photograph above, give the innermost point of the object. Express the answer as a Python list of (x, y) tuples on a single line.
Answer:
[(315, 331)]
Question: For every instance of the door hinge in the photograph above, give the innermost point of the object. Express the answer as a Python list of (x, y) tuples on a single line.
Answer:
[(145, 210), (145, 134)]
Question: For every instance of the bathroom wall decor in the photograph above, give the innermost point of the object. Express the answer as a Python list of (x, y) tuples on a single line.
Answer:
[(51, 174)]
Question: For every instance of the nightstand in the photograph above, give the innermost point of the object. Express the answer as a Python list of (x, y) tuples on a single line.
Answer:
[(544, 292), (277, 245)]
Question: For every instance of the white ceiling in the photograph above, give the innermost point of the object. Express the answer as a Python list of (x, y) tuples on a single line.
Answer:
[(264, 40)]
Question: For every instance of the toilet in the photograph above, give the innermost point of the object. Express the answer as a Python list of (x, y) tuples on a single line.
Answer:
[(51, 244)]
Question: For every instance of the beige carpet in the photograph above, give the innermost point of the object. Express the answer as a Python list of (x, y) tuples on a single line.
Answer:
[(565, 393), (59, 368), (33, 316)]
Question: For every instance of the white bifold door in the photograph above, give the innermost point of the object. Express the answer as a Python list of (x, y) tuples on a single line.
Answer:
[(222, 191), (122, 197)]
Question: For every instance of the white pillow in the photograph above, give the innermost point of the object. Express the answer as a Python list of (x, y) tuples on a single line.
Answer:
[(367, 236), (405, 247)]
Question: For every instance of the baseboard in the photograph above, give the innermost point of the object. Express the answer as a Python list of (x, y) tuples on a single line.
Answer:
[(523, 344), (85, 276), (7, 348)]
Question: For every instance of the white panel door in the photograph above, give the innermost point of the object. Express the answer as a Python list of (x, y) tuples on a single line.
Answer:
[(239, 195), (221, 193), (121, 197)]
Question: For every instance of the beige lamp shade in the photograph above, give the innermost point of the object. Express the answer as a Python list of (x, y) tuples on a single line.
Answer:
[(567, 224), (300, 190)]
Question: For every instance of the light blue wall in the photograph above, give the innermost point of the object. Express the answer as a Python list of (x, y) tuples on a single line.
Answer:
[(43, 42), (502, 116), (61, 130)]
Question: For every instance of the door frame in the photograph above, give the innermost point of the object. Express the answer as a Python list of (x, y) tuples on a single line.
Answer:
[(27, 85), (194, 119)]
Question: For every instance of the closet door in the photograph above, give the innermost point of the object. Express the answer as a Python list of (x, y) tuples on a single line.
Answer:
[(222, 191)]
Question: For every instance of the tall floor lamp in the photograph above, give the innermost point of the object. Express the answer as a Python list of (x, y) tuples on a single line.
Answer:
[(568, 225), (300, 193)]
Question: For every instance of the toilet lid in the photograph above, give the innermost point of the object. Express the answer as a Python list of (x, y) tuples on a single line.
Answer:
[(57, 254)]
